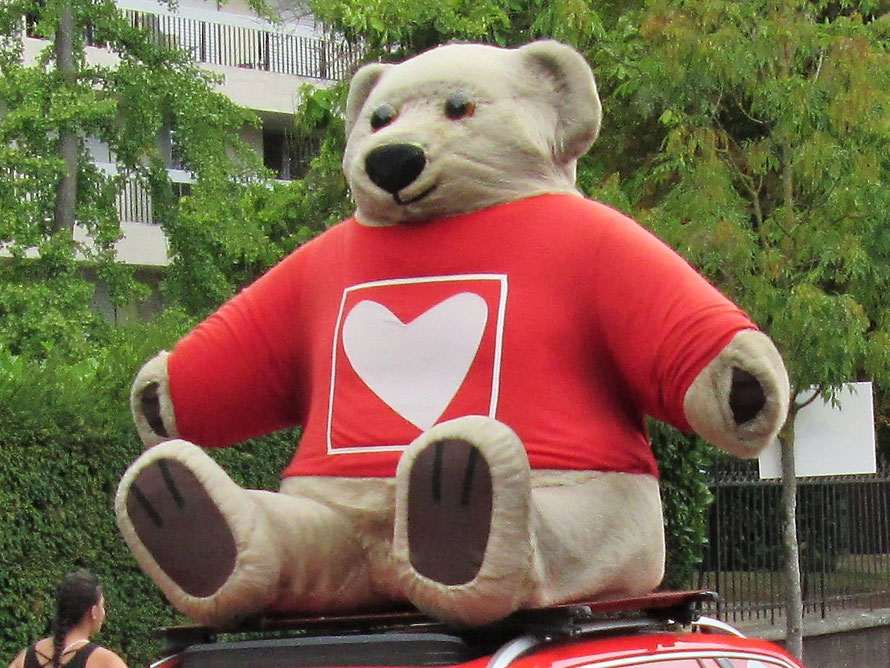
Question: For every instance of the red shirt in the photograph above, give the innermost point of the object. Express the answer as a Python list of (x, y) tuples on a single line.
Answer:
[(557, 315)]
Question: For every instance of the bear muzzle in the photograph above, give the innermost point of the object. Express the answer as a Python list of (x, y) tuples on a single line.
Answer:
[(394, 167)]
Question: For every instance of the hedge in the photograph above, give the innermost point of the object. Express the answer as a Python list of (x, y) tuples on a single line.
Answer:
[(65, 440)]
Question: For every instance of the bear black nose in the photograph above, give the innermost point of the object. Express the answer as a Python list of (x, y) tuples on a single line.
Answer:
[(394, 166)]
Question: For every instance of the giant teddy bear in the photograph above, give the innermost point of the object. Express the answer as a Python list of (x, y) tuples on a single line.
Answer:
[(471, 358)]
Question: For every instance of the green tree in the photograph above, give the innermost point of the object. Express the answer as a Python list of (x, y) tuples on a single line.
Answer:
[(66, 437), (65, 430), (770, 175), (48, 182)]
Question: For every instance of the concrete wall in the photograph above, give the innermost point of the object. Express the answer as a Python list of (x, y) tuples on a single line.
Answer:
[(844, 639), (261, 91), (859, 648)]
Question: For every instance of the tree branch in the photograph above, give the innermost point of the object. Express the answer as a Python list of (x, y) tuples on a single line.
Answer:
[(817, 392)]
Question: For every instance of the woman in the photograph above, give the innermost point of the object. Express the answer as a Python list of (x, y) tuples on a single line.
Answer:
[(80, 612)]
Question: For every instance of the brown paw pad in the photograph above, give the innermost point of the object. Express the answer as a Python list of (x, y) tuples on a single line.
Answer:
[(449, 511), (180, 525)]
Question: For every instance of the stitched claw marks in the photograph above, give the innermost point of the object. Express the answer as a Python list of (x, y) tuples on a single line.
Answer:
[(150, 402), (180, 525)]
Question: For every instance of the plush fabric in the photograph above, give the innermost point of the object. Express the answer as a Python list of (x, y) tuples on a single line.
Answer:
[(714, 421), (328, 545), (471, 357), (506, 150), (153, 374), (553, 267)]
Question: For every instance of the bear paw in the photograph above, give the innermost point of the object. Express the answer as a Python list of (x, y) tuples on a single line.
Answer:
[(194, 531), (462, 523), (449, 505), (180, 526)]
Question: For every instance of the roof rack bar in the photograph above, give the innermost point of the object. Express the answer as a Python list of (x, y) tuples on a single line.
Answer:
[(560, 620), (606, 626)]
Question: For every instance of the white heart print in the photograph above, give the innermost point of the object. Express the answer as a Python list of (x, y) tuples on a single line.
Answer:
[(416, 368)]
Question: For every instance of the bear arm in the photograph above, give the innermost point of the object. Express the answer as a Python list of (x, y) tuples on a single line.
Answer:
[(150, 402), (739, 401)]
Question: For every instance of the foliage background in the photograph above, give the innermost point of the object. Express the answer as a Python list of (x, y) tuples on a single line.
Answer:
[(66, 438), (711, 108)]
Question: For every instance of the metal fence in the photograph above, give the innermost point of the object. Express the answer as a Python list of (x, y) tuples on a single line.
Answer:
[(238, 46), (253, 48), (843, 532), (134, 202)]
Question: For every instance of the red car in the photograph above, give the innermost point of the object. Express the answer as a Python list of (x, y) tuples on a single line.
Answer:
[(661, 630)]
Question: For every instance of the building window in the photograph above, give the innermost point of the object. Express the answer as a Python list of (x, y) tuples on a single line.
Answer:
[(286, 154), (170, 149), (32, 18), (181, 190)]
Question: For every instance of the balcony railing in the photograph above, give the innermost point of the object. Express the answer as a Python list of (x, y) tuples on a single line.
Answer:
[(143, 242), (134, 204), (254, 48), (238, 46)]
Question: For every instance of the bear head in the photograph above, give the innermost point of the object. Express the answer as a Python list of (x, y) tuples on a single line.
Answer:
[(463, 127)]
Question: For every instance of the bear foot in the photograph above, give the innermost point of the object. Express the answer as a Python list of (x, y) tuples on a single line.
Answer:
[(181, 527), (449, 505), (462, 530)]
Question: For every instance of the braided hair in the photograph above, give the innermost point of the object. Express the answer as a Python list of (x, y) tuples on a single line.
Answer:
[(76, 594)]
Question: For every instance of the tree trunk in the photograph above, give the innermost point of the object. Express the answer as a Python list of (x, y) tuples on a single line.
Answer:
[(793, 591), (66, 192)]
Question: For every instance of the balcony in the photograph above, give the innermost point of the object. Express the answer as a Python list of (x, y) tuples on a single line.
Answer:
[(252, 48), (262, 66), (143, 241), (235, 43)]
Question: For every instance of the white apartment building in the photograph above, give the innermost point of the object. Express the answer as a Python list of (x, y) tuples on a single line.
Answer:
[(263, 65)]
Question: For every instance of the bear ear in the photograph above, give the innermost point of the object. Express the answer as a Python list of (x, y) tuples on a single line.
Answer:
[(568, 83), (363, 82)]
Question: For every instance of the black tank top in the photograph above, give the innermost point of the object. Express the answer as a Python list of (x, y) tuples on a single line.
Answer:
[(79, 660)]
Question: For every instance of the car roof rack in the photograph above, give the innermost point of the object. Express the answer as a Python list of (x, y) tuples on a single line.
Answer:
[(510, 637)]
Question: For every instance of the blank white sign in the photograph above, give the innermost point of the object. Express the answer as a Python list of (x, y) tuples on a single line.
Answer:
[(830, 440)]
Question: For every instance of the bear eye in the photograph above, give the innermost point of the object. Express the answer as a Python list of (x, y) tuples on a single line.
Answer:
[(383, 116), (458, 106)]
